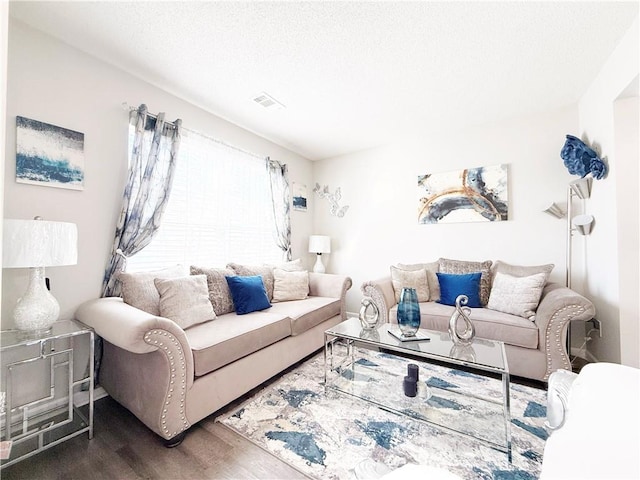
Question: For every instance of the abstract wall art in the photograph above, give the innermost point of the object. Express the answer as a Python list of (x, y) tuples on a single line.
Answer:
[(49, 155), (470, 195), (299, 197)]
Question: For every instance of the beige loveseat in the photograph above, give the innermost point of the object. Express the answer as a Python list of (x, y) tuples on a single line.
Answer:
[(535, 345), (170, 377)]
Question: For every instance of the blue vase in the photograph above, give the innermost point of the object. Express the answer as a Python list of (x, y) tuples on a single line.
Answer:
[(408, 312)]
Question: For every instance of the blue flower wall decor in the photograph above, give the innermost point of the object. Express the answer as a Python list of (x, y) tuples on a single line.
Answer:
[(580, 159)]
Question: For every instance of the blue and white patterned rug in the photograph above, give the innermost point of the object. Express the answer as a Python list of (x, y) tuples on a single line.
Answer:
[(327, 435)]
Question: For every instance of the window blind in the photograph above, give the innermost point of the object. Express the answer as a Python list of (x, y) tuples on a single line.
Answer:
[(219, 210)]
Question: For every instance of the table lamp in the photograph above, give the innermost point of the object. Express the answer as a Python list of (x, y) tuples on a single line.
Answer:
[(36, 244), (319, 244)]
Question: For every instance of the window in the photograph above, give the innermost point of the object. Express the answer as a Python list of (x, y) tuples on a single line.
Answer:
[(219, 210)]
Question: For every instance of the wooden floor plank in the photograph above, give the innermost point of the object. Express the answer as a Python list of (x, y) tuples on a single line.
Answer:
[(124, 449)]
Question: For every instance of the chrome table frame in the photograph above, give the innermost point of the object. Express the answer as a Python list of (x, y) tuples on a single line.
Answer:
[(439, 349), (40, 423)]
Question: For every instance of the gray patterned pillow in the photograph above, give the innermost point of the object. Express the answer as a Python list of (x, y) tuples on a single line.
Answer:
[(219, 293), (461, 266), (139, 291), (266, 272), (185, 300), (432, 268), (520, 270)]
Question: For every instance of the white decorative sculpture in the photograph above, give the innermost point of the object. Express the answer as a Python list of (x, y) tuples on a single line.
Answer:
[(333, 198)]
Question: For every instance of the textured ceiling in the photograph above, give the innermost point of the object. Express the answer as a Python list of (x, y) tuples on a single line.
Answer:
[(351, 75)]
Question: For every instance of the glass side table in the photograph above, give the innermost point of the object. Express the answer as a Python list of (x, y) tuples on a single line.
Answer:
[(43, 381)]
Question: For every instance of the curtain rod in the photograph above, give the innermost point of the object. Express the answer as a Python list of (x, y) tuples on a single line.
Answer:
[(128, 108)]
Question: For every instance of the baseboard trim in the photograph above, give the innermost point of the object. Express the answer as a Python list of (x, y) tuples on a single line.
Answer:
[(82, 398)]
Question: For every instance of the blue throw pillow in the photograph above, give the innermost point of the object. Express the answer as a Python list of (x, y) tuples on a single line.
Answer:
[(452, 285), (248, 293)]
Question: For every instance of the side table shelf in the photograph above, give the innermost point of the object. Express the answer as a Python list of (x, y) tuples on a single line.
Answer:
[(39, 376)]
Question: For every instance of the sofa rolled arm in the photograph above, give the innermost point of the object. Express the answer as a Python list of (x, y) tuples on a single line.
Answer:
[(558, 306), (139, 332), (331, 285), (123, 325), (382, 294)]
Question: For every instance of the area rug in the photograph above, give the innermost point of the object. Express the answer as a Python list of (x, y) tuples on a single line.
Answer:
[(328, 435)]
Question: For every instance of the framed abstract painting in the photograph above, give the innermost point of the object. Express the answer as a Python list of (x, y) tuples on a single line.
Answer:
[(470, 195), (49, 155)]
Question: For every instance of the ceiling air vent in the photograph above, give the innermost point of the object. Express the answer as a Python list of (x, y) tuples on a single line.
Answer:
[(267, 101)]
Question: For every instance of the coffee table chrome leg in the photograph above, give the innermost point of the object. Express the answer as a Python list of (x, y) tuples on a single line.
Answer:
[(507, 412), (327, 345)]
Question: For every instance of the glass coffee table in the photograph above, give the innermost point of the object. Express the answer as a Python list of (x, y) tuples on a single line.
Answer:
[(477, 413)]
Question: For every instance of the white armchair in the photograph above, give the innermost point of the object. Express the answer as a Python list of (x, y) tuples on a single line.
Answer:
[(595, 422)]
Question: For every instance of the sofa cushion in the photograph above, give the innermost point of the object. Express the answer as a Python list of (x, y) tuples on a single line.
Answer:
[(308, 313), (416, 278), (290, 285), (219, 294), (517, 295), (230, 337), (452, 285), (185, 300), (139, 291), (510, 329), (460, 266), (265, 271), (432, 268), (248, 294)]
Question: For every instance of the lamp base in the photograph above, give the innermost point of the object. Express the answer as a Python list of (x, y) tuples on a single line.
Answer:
[(319, 266), (37, 310)]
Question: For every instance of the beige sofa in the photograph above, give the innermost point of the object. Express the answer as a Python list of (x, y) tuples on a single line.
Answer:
[(535, 346), (170, 377)]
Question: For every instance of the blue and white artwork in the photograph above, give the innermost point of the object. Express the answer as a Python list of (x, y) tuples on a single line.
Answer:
[(49, 155), (470, 195), (299, 197)]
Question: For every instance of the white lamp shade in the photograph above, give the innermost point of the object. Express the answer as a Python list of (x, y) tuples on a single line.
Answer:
[(583, 224), (39, 243), (554, 210), (581, 187), (319, 244)]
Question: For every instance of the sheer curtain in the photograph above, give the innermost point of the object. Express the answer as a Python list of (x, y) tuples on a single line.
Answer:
[(280, 201), (151, 171)]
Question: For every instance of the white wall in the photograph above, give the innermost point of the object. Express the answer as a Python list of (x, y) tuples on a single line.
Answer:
[(53, 83), (4, 46), (596, 117), (627, 144), (379, 185)]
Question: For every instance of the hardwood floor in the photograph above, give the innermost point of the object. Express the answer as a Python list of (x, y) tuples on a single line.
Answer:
[(123, 448)]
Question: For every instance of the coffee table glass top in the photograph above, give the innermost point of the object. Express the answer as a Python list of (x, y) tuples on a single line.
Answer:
[(483, 354)]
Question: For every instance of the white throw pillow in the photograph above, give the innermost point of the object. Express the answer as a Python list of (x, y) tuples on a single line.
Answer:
[(517, 295), (290, 285), (410, 279), (432, 279), (290, 266), (185, 300)]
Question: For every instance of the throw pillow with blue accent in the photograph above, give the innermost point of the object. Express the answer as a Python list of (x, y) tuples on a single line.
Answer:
[(248, 293), (452, 285)]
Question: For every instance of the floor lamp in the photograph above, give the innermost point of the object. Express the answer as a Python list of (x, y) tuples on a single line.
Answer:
[(581, 223)]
